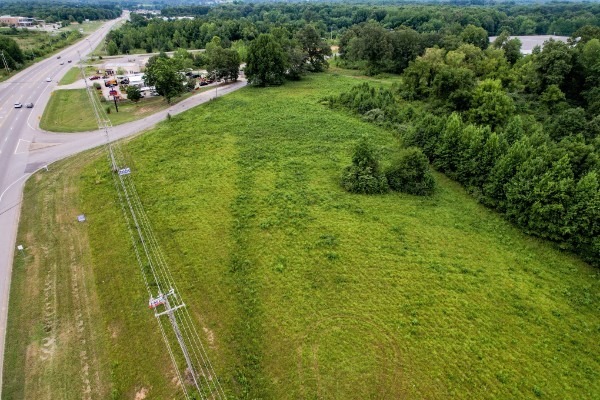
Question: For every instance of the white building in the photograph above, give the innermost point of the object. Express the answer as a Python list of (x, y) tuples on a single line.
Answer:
[(129, 68), (136, 80)]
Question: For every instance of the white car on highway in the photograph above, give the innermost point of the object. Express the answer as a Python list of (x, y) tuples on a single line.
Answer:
[(48, 79), (18, 105)]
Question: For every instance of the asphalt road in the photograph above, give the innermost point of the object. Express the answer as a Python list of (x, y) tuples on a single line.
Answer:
[(25, 149)]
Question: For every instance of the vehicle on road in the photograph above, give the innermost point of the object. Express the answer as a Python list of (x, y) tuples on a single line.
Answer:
[(69, 61), (18, 105), (58, 58), (93, 78), (62, 63), (29, 105), (48, 79)]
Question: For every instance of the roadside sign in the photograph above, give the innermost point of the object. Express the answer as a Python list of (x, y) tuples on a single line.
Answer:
[(125, 171)]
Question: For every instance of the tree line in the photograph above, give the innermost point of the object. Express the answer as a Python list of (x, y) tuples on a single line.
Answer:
[(61, 11), (522, 134), (245, 22)]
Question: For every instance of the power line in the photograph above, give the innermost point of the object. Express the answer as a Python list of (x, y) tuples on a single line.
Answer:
[(165, 298)]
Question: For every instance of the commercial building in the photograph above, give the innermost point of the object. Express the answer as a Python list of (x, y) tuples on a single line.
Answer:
[(16, 21)]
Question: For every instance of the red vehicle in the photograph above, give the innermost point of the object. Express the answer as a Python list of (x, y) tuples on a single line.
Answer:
[(113, 93), (93, 78)]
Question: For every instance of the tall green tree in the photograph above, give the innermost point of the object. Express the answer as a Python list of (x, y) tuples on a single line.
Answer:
[(164, 75), (364, 175), (553, 63), (372, 45), (490, 104), (314, 47), (224, 64), (266, 61), (112, 48), (476, 36), (12, 52)]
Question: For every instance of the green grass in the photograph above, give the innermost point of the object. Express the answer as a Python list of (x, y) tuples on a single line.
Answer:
[(72, 76), (302, 290), (69, 110)]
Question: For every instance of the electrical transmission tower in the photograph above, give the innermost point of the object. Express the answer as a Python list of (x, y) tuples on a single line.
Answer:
[(5, 63), (192, 365)]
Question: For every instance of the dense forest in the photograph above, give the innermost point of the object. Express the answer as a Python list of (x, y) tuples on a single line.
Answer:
[(61, 11), (443, 24)]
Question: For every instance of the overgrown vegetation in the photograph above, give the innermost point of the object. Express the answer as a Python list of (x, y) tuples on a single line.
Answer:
[(522, 137), (300, 289), (24, 47)]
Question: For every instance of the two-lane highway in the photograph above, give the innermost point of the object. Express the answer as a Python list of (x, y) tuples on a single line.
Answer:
[(18, 129)]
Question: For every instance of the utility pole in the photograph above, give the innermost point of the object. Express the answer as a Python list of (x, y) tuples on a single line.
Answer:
[(5, 63), (170, 312), (115, 99)]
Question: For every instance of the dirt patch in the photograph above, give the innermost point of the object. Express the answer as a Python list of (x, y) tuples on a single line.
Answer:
[(210, 336), (141, 394)]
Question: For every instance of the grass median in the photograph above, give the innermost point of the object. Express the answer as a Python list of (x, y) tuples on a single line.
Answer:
[(299, 289)]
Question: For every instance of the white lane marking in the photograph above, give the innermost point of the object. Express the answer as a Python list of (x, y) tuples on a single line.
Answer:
[(9, 186), (19, 144)]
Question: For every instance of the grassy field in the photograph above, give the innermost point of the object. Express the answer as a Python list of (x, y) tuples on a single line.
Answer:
[(69, 111), (300, 290)]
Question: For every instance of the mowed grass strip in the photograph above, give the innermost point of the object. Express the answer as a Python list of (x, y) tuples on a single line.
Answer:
[(56, 342), (72, 75), (301, 290), (69, 110)]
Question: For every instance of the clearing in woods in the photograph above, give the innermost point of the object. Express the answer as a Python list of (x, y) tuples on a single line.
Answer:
[(299, 289)]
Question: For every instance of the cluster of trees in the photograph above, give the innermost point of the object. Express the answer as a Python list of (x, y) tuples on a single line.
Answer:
[(166, 74), (408, 173), (440, 25), (522, 134), (12, 52), (272, 58), (61, 11), (370, 46)]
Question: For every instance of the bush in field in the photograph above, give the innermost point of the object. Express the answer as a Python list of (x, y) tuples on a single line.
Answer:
[(410, 173), (364, 174), (133, 93)]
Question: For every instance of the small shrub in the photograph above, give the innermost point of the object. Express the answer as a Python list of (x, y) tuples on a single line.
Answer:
[(364, 174), (108, 110), (410, 173)]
